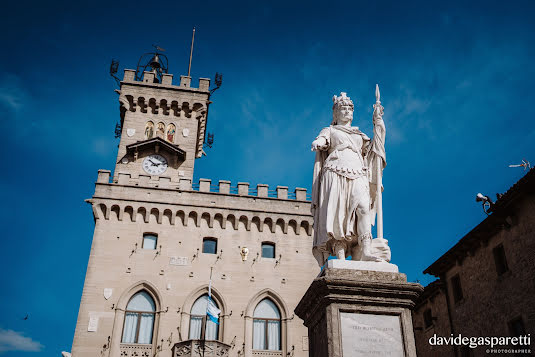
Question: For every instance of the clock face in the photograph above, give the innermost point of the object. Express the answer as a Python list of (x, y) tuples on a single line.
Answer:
[(155, 164)]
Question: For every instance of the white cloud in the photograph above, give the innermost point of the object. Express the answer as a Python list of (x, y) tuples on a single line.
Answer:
[(15, 341), (12, 94)]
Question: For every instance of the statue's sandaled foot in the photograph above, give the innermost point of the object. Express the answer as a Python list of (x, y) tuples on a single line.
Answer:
[(371, 258), (366, 243)]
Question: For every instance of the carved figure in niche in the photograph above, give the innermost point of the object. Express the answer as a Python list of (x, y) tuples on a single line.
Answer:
[(160, 130), (171, 133), (343, 205), (149, 130)]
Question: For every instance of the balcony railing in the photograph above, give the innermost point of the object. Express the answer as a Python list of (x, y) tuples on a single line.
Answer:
[(266, 353), (135, 350), (199, 348)]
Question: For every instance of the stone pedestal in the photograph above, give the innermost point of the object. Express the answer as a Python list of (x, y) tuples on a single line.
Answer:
[(354, 313)]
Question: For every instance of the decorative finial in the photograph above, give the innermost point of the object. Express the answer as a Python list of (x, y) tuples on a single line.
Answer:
[(377, 94)]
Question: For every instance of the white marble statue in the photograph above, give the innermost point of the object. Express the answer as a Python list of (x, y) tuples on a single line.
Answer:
[(347, 171)]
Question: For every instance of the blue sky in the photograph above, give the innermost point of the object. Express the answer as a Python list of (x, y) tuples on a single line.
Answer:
[(456, 81)]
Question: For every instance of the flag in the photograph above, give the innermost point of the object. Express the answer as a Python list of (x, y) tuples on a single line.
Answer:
[(211, 309)]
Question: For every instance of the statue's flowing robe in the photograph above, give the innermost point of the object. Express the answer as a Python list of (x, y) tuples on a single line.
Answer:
[(370, 152)]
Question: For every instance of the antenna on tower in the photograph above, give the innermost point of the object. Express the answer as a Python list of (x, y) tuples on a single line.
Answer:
[(525, 164)]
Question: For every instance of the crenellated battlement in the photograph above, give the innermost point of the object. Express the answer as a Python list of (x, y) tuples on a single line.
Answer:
[(149, 78), (205, 185), (223, 203)]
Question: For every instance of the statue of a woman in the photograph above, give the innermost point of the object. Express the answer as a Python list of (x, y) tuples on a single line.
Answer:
[(345, 185)]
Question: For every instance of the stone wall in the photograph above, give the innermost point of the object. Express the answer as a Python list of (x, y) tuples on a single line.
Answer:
[(435, 301)]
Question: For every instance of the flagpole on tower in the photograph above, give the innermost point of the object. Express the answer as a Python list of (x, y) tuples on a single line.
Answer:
[(210, 283), (212, 311), (189, 66)]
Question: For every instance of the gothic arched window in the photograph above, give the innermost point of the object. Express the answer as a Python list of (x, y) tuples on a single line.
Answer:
[(198, 317), (149, 130), (139, 319), (266, 326)]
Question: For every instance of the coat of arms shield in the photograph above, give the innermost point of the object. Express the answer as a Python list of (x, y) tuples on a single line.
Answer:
[(107, 293)]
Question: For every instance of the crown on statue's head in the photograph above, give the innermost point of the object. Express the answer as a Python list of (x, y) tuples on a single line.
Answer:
[(343, 99)]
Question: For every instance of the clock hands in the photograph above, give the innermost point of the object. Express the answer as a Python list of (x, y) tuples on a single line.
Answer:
[(155, 164)]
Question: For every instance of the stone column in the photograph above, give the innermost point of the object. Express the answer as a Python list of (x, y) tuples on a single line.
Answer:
[(352, 312), (117, 333), (248, 343)]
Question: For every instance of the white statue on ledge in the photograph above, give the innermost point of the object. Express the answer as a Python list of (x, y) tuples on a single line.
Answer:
[(347, 186)]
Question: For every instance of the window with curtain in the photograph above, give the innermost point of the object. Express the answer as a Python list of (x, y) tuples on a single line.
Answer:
[(149, 241), (268, 250), (266, 326), (139, 319), (209, 245), (197, 316)]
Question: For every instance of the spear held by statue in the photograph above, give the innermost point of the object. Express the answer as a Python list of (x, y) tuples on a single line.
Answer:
[(378, 113)]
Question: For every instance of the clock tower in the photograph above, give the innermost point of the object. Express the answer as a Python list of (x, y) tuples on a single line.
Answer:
[(162, 127)]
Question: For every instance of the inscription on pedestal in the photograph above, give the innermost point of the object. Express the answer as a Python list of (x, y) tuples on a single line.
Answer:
[(371, 335)]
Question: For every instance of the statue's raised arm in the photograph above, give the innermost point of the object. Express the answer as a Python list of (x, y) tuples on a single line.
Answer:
[(346, 160)]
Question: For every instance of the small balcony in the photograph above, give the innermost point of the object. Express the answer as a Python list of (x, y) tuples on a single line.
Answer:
[(135, 350), (266, 353), (200, 348)]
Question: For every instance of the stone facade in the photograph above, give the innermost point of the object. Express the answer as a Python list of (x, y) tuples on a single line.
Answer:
[(130, 203), (487, 285)]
